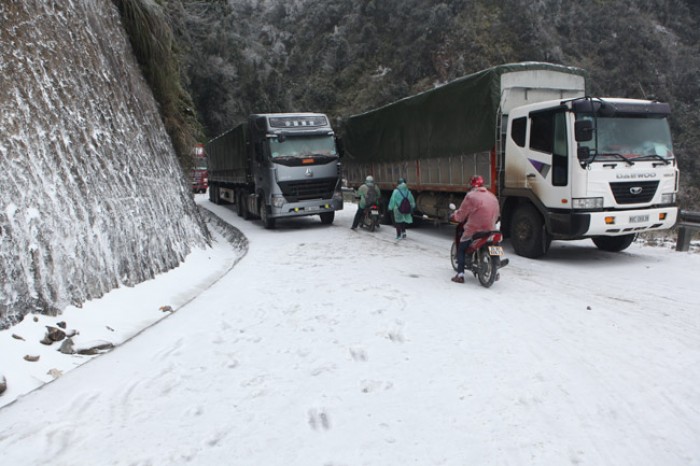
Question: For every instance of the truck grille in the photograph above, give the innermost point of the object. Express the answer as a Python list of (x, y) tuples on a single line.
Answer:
[(628, 192), (295, 191)]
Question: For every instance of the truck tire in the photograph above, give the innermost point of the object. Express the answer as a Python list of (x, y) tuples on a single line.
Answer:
[(245, 213), (527, 233), (613, 243), (386, 216), (239, 204), (214, 195), (327, 217), (267, 222)]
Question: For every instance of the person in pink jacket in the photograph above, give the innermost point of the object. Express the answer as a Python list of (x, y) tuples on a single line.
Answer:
[(480, 209)]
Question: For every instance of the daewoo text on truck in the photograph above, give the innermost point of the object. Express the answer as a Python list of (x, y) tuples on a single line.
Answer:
[(564, 165), (277, 166)]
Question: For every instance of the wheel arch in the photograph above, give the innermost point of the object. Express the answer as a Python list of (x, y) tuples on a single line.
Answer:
[(510, 205)]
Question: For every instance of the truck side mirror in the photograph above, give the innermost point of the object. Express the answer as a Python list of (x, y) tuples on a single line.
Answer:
[(583, 130)]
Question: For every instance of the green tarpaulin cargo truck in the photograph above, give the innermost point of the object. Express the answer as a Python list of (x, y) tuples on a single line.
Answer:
[(277, 165), (564, 165)]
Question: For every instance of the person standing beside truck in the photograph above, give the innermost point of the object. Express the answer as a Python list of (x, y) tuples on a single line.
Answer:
[(367, 194), (480, 210), (401, 206)]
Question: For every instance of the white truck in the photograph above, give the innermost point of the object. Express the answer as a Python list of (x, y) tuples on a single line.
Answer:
[(277, 165), (564, 165)]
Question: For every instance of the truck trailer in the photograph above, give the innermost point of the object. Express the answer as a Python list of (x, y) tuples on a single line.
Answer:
[(564, 165), (277, 165)]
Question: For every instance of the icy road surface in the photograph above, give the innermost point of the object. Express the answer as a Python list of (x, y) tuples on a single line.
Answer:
[(325, 346)]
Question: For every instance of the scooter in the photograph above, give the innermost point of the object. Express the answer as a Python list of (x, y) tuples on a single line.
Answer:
[(483, 257), (370, 217)]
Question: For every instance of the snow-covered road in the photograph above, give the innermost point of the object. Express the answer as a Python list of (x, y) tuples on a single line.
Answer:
[(325, 346)]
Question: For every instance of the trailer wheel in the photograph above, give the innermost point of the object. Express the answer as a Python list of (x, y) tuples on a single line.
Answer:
[(214, 194), (613, 243), (327, 217), (245, 213), (268, 222), (527, 233), (239, 204)]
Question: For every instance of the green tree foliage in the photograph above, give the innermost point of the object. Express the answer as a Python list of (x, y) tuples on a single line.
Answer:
[(152, 39), (344, 57)]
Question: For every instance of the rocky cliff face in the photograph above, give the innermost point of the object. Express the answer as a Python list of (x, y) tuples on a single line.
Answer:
[(91, 195)]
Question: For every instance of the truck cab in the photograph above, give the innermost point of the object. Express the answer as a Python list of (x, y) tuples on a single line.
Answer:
[(277, 165), (588, 168)]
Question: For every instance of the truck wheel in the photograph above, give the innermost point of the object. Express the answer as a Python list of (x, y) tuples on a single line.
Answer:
[(214, 194), (386, 216), (613, 243), (527, 233), (239, 204), (327, 217), (245, 213), (268, 222)]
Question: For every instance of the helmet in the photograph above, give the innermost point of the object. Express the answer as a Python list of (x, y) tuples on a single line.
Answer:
[(477, 181), (369, 180)]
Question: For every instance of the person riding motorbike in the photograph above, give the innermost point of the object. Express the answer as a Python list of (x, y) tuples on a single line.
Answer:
[(481, 210), (368, 194)]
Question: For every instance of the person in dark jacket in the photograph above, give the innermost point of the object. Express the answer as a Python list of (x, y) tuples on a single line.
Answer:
[(401, 219)]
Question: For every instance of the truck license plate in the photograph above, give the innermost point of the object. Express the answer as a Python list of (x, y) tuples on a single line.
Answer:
[(495, 250), (639, 218)]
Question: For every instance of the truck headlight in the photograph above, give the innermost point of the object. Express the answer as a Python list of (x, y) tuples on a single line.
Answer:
[(588, 203), (668, 198), (277, 200)]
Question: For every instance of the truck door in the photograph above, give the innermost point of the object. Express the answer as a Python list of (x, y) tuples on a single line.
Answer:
[(549, 170)]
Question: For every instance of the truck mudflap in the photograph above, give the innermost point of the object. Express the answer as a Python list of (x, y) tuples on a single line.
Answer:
[(577, 225)]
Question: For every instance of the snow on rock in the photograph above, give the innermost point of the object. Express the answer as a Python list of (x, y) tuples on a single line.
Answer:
[(93, 197)]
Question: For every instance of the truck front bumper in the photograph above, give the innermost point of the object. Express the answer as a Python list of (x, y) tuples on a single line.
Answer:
[(576, 225), (310, 207)]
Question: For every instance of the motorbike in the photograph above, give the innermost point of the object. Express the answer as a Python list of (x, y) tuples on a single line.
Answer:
[(483, 257), (370, 217)]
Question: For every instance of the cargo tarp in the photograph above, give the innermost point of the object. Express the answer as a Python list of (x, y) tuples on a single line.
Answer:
[(228, 151), (454, 119)]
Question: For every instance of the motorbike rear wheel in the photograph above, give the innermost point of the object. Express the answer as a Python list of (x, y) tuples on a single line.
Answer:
[(487, 267)]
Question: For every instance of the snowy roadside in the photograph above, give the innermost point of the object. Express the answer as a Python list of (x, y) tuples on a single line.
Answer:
[(120, 315)]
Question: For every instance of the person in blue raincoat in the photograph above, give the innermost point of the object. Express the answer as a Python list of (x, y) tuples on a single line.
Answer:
[(401, 217)]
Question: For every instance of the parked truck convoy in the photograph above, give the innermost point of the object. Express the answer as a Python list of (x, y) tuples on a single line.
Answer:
[(564, 165), (277, 166)]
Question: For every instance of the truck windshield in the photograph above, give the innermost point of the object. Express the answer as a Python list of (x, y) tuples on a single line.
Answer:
[(629, 137), (305, 146), (200, 163)]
